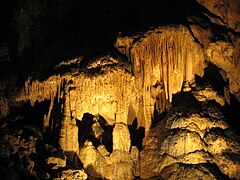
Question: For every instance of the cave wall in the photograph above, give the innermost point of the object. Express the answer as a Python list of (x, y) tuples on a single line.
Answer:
[(161, 64), (63, 53), (162, 59)]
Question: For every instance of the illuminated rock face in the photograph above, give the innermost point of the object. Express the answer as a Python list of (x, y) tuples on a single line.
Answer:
[(191, 137), (73, 174), (118, 165), (85, 118), (226, 56), (109, 93), (121, 138), (227, 10), (162, 60), (181, 171), (161, 63)]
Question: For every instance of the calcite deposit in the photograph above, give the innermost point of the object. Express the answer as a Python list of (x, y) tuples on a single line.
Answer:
[(185, 139), (126, 90), (115, 92)]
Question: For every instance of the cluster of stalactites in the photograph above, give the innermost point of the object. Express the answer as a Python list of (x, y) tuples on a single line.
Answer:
[(42, 90), (162, 59)]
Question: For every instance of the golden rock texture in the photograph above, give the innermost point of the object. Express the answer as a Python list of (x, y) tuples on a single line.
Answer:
[(121, 137), (160, 100), (226, 56), (118, 165), (93, 162), (73, 174), (191, 138), (135, 157), (226, 10), (181, 171), (162, 62)]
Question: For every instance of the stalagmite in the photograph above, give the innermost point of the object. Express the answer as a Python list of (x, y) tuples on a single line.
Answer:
[(121, 138), (162, 62), (191, 135), (161, 102), (47, 117)]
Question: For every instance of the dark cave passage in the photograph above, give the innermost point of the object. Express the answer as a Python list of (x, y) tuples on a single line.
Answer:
[(232, 113)]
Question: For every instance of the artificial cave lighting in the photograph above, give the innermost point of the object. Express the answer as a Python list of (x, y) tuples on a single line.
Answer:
[(120, 90)]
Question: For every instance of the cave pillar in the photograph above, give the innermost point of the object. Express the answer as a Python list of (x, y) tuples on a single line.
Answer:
[(69, 132), (121, 137)]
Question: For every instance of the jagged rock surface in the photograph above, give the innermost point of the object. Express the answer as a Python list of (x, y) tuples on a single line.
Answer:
[(226, 56), (93, 162), (190, 171), (136, 161), (162, 60), (118, 165), (18, 147), (190, 135), (73, 174), (56, 158), (107, 87), (227, 12), (124, 92)]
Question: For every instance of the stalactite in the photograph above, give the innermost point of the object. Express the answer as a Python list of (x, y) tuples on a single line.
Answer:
[(168, 55), (162, 60), (47, 117)]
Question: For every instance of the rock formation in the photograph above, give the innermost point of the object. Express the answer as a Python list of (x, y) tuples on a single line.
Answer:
[(184, 139), (162, 60), (158, 100)]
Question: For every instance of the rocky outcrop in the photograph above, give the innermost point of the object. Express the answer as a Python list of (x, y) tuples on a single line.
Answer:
[(190, 171), (184, 140), (161, 64), (226, 56), (18, 147), (135, 156), (69, 139), (207, 93), (93, 162), (226, 11), (57, 159), (118, 165), (73, 174)]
